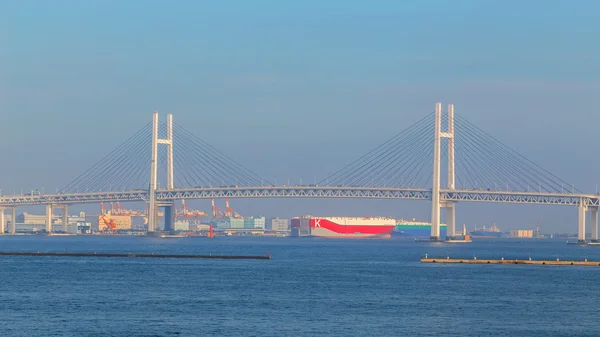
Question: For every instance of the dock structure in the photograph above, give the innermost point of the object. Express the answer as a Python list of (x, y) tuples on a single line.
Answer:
[(152, 255), (556, 262)]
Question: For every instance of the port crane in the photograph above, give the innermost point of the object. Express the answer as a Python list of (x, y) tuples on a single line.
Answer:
[(187, 213), (229, 211), (110, 226), (119, 210), (217, 213)]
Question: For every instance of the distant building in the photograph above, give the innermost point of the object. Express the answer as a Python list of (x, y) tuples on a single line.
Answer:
[(280, 225), (252, 222), (40, 219), (521, 233), (34, 219), (240, 223), (181, 226), (229, 222)]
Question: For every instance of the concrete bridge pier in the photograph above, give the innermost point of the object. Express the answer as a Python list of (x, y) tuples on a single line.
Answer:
[(13, 222), (49, 208), (594, 219), (450, 220), (581, 208), (169, 216), (65, 217), (2, 221)]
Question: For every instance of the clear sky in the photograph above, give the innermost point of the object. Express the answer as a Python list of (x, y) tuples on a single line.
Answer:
[(300, 88)]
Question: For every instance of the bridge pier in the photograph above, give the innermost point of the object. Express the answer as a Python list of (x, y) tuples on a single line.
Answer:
[(13, 222), (169, 217), (65, 217), (450, 220), (594, 219), (49, 218), (2, 221), (581, 208)]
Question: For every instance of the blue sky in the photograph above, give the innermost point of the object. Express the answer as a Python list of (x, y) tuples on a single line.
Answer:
[(300, 88)]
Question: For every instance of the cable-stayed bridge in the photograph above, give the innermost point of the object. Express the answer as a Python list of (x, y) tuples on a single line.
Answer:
[(163, 162)]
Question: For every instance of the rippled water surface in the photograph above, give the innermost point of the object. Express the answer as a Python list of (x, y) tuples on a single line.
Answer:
[(310, 287)]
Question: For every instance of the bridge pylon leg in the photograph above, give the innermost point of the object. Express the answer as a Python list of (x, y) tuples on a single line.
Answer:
[(2, 220), (152, 207), (594, 220), (581, 222), (450, 205), (435, 190)]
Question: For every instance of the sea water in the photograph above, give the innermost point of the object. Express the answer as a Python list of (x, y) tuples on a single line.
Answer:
[(310, 287)]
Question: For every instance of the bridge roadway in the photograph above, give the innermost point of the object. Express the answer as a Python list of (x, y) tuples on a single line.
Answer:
[(164, 195)]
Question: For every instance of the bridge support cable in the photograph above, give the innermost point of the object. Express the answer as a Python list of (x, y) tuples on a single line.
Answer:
[(478, 169), (121, 169), (387, 167), (119, 174), (495, 164), (397, 160), (490, 163), (486, 162), (207, 165)]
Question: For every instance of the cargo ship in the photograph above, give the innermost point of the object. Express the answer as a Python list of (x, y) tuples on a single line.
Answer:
[(415, 229), (490, 232), (343, 227)]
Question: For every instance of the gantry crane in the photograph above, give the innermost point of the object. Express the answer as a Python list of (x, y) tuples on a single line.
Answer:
[(187, 213), (229, 212)]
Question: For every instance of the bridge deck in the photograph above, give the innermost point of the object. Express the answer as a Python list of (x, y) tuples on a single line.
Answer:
[(306, 192)]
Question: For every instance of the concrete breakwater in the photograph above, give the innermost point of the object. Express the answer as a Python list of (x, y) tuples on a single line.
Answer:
[(152, 255), (556, 262)]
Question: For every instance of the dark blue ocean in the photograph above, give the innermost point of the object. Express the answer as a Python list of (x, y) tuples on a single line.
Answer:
[(310, 287)]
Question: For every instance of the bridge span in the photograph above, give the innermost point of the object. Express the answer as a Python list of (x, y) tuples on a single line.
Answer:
[(480, 164)]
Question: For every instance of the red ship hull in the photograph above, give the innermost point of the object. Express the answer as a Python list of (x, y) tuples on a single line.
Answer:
[(344, 227)]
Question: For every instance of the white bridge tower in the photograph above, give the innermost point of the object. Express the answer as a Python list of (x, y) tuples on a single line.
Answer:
[(152, 204), (436, 204)]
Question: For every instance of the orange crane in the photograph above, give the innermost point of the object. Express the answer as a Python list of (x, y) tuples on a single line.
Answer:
[(229, 211), (119, 210), (126, 212), (109, 224), (216, 212), (187, 213)]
